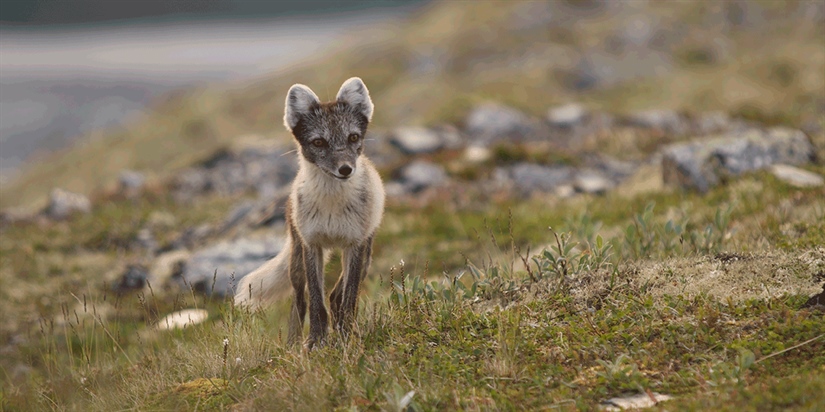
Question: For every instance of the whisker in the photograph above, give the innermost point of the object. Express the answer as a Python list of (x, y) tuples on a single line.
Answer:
[(289, 152)]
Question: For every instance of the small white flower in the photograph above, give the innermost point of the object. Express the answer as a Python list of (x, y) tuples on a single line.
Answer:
[(225, 341)]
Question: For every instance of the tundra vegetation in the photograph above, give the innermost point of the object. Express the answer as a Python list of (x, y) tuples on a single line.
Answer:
[(482, 295)]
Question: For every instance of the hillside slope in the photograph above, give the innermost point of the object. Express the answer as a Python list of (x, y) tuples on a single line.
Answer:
[(762, 60)]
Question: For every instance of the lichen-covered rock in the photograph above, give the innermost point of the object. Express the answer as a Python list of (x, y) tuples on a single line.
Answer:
[(702, 164)]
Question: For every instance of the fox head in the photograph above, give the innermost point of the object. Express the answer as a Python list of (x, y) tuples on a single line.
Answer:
[(330, 135)]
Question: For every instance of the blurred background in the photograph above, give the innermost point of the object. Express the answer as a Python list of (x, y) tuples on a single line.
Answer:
[(68, 68), (101, 74)]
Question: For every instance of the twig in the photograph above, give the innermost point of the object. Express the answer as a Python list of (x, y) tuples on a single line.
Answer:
[(791, 348)]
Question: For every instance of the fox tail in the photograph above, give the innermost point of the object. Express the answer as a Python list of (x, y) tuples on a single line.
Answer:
[(268, 283)]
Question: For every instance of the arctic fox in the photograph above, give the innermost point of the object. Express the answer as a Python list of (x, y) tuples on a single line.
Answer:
[(337, 201)]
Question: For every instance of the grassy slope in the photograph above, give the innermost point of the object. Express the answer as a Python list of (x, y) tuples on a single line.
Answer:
[(668, 323), (773, 74), (665, 320)]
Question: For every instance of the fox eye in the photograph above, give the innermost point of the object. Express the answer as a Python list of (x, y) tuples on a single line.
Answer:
[(354, 137), (319, 142)]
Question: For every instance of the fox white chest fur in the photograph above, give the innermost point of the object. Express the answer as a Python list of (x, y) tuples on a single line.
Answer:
[(332, 213)]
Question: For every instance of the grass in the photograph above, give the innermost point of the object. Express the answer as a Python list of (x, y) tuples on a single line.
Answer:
[(475, 301), (451, 320)]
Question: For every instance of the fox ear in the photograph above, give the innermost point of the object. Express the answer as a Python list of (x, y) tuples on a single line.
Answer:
[(355, 93), (299, 101)]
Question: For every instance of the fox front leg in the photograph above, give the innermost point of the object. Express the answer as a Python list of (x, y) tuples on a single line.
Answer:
[(314, 269), (357, 261), (298, 278)]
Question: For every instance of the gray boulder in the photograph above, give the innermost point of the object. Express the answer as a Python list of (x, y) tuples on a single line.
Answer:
[(591, 181), (530, 177), (491, 122), (131, 182), (667, 121), (417, 140), (216, 270), (420, 175), (133, 278), (63, 204), (263, 168), (702, 164)]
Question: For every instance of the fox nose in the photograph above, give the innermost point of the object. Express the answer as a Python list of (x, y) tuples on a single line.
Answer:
[(345, 170)]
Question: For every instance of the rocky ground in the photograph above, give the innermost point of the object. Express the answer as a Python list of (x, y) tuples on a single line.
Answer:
[(498, 152)]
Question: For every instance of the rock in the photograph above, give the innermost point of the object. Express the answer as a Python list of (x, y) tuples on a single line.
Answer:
[(217, 269), (182, 319), (529, 177), (381, 151), (145, 240), (134, 278), (15, 215), (491, 122), (62, 204), (591, 181), (564, 191), (797, 177), (712, 122), (451, 136), (665, 120), (131, 182), (477, 154), (238, 214), (613, 169), (702, 164), (637, 401), (167, 266), (416, 140), (252, 214), (191, 237), (421, 174), (816, 301), (259, 166), (567, 115)]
